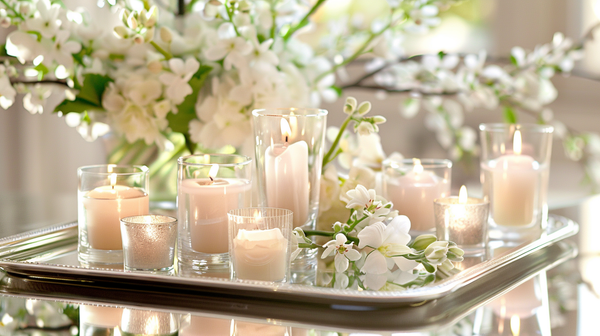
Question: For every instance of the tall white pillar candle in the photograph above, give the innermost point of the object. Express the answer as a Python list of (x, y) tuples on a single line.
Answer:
[(208, 202), (104, 207), (286, 173)]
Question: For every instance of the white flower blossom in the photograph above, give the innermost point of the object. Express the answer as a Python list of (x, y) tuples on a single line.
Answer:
[(386, 241), (343, 252), (177, 81)]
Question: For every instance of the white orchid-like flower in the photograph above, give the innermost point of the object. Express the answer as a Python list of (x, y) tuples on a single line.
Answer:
[(177, 82), (45, 21), (63, 49), (230, 48), (386, 241), (360, 198), (343, 252)]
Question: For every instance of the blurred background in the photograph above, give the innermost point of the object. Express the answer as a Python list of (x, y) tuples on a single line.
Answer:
[(39, 154)]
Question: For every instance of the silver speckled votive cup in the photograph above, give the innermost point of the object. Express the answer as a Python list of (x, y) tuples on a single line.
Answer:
[(149, 243), (463, 223)]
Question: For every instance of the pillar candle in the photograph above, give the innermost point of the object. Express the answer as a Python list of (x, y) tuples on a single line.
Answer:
[(104, 317), (286, 170), (208, 201), (260, 254), (413, 193), (514, 180), (105, 206)]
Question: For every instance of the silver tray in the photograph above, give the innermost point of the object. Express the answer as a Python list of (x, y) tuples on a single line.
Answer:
[(50, 254)]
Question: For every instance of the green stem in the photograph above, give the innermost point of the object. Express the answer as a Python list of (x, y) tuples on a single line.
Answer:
[(158, 48), (189, 143), (304, 20), (357, 53), (331, 151), (356, 223), (12, 8), (174, 154), (230, 11), (329, 234)]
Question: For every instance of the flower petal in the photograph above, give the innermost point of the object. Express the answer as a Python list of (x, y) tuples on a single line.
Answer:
[(374, 264), (352, 254), (371, 236), (405, 264), (341, 263)]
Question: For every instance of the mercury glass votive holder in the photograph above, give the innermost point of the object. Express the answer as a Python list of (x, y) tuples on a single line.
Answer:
[(209, 185), (463, 223), (137, 322), (412, 185), (149, 243), (515, 166), (260, 243), (107, 193)]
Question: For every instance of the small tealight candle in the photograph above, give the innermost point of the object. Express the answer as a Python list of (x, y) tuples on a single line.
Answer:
[(462, 220), (260, 243)]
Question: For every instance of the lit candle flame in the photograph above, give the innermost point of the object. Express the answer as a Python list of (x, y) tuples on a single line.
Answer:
[(285, 130), (206, 158), (257, 214), (113, 180), (418, 168), (517, 142), (214, 169), (515, 325), (462, 195), (110, 167)]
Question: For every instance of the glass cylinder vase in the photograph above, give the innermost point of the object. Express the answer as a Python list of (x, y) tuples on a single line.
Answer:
[(209, 185), (515, 165), (107, 193), (289, 156), (412, 185)]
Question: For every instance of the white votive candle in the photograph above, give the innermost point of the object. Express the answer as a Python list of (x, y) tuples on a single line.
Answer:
[(260, 254), (104, 206), (514, 181), (413, 193), (207, 202), (98, 316), (286, 174)]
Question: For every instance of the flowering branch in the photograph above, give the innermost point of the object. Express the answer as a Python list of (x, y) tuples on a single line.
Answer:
[(304, 21)]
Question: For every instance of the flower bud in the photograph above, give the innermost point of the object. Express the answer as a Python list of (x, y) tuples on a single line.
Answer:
[(5, 22), (143, 18), (244, 6), (155, 66), (138, 39), (379, 119), (422, 241), (436, 252), (131, 21), (165, 34), (124, 16), (364, 128), (446, 266), (121, 32), (152, 16), (149, 36), (337, 227), (24, 8), (350, 105), (364, 108)]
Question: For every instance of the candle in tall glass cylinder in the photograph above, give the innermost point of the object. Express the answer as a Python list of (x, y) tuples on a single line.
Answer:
[(108, 193), (209, 185), (289, 155), (412, 185), (515, 165)]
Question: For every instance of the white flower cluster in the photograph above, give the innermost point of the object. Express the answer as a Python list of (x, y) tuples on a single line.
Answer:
[(447, 85), (386, 260), (18, 313)]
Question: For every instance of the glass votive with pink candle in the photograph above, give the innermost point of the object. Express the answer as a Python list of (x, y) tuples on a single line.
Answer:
[(208, 186), (260, 243), (412, 185), (107, 193), (515, 166)]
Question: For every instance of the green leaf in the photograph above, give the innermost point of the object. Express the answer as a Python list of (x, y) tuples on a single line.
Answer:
[(337, 90), (187, 110), (428, 267), (513, 60), (89, 96), (42, 71), (510, 116)]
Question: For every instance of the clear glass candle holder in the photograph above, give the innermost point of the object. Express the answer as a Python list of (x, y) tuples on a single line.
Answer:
[(464, 223), (99, 320), (209, 185), (412, 185), (515, 165), (107, 193), (289, 156), (260, 243), (149, 243), (137, 322)]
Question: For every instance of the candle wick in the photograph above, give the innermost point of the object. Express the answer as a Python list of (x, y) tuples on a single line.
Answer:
[(113, 186), (286, 139), (211, 179)]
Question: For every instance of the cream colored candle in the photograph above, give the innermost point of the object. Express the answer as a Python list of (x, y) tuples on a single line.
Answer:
[(207, 202), (413, 193), (104, 317), (105, 206), (260, 254), (514, 181), (286, 173), (206, 326)]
